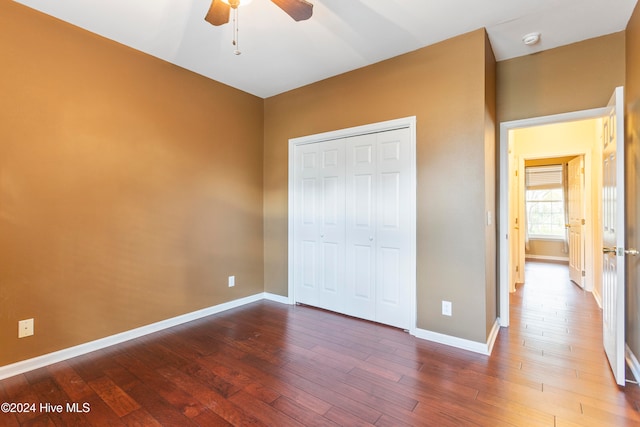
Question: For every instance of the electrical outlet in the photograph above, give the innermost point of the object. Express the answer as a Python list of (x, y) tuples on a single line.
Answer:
[(232, 281), (25, 328), (446, 308)]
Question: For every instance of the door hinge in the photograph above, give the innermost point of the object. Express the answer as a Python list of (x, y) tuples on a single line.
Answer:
[(583, 221), (583, 273), (517, 268), (516, 172)]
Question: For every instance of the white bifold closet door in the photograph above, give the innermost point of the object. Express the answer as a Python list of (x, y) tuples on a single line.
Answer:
[(319, 254), (352, 235)]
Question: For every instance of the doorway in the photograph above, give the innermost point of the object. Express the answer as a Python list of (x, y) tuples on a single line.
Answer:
[(548, 136)]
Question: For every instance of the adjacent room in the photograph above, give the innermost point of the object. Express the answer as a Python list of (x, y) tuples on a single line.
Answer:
[(319, 213)]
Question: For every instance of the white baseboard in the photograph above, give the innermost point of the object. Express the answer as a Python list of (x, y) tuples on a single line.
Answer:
[(277, 298), (493, 336), (596, 296), (633, 363), (461, 343), (67, 353)]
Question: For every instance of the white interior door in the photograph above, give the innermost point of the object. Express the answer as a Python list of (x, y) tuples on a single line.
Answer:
[(613, 236), (575, 208), (514, 220), (320, 224)]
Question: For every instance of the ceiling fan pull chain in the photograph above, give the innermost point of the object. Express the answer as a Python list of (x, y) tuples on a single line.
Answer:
[(236, 38)]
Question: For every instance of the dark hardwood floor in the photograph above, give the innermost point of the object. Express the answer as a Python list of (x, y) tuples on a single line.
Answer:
[(275, 365)]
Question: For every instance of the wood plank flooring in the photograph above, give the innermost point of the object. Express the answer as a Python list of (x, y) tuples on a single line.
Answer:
[(268, 364)]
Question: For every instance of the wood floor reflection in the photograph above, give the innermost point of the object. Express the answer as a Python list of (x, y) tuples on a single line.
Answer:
[(275, 365)]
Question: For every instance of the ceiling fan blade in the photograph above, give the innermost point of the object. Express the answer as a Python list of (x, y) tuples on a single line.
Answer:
[(299, 10), (218, 13)]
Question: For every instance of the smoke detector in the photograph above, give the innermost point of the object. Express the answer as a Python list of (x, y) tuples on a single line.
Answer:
[(531, 39)]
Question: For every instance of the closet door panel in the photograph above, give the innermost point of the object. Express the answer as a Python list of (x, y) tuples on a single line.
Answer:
[(306, 224), (392, 234), (360, 226), (389, 277), (331, 212)]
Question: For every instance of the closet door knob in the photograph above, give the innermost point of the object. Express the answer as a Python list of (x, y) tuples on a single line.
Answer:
[(371, 238)]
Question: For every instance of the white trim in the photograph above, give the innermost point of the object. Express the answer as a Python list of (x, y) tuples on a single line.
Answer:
[(493, 336), (405, 122), (598, 299), (354, 131), (633, 363), (461, 343), (503, 229), (547, 257), (276, 298), (68, 353)]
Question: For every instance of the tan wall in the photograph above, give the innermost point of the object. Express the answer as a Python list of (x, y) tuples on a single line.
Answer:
[(546, 248), (576, 77), (490, 186), (129, 188), (633, 179), (444, 86)]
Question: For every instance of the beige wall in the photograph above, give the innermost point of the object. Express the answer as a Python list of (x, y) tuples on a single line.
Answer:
[(546, 249), (446, 87), (576, 77), (490, 187), (632, 94), (129, 188)]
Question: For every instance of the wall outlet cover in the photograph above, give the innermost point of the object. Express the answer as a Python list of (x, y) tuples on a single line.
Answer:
[(25, 328), (446, 308)]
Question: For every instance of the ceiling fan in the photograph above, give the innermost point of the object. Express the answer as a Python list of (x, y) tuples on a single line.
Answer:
[(219, 10)]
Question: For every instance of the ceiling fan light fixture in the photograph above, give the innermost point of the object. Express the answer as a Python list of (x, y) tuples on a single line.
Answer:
[(220, 11), (531, 39), (235, 3)]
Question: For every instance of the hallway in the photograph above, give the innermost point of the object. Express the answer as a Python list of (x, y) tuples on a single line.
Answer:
[(555, 339)]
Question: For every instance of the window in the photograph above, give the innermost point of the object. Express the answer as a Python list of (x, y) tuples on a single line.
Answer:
[(545, 202)]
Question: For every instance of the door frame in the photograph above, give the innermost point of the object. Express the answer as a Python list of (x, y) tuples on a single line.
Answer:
[(504, 226), (588, 264), (405, 122)]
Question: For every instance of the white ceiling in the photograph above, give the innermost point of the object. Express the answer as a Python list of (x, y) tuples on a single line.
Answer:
[(279, 54)]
